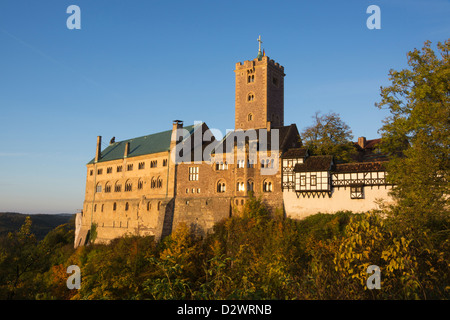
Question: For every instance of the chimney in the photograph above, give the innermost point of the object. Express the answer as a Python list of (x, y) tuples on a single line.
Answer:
[(98, 153), (127, 149), (362, 142), (177, 124)]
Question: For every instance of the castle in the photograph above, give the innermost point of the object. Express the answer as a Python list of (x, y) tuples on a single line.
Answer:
[(149, 185)]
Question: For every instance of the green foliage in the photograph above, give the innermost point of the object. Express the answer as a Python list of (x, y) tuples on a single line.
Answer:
[(329, 135), (419, 125)]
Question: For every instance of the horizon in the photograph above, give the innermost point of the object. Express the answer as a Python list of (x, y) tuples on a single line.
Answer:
[(134, 67)]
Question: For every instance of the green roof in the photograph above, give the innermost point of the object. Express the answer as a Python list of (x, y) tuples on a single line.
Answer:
[(153, 143)]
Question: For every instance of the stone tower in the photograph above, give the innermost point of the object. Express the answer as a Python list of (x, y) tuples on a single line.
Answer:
[(259, 93)]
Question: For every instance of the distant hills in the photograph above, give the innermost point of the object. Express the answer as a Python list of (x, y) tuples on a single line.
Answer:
[(41, 223)]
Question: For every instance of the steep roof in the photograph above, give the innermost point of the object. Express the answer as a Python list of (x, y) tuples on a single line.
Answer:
[(296, 153), (153, 143), (315, 163)]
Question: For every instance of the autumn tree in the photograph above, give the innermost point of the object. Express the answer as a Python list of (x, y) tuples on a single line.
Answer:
[(329, 135), (418, 100)]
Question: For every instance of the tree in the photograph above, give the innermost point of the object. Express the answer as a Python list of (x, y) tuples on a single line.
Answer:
[(329, 135), (19, 260), (419, 125)]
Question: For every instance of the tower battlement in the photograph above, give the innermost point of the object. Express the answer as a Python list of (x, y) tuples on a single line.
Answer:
[(265, 60)]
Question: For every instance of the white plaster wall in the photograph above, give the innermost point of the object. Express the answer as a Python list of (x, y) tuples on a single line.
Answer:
[(299, 208)]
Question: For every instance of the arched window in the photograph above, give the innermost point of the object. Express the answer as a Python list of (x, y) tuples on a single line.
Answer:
[(250, 117), (221, 187), (149, 206), (98, 187), (267, 186), (240, 186), (250, 185), (95, 207), (103, 207), (153, 183), (117, 187), (159, 205), (140, 184), (159, 183), (114, 206), (107, 187), (128, 185), (126, 206), (250, 97)]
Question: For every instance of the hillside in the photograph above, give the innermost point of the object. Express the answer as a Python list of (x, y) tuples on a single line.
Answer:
[(41, 223)]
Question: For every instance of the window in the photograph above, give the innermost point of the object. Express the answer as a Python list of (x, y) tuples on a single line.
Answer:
[(99, 171), (241, 163), (250, 97), (251, 78), (267, 186), (130, 167), (109, 170), (140, 184), (198, 190), (128, 185), (193, 173), (149, 206), (159, 205), (250, 185), (102, 207), (164, 162), (313, 180), (141, 165), (240, 186), (159, 183), (221, 187), (119, 169), (95, 207), (266, 163), (153, 183), (275, 81), (356, 192), (107, 187), (114, 206), (98, 188), (250, 164), (117, 187), (153, 164), (221, 165), (91, 172), (127, 206), (303, 180)]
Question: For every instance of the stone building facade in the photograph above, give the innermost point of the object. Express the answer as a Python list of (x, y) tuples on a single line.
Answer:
[(151, 184)]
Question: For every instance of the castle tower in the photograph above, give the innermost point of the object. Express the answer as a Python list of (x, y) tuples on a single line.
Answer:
[(259, 93)]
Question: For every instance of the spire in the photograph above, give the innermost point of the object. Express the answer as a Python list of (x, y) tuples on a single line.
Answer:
[(260, 54)]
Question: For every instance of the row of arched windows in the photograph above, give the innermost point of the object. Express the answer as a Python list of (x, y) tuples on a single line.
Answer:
[(267, 186), (126, 206), (128, 186)]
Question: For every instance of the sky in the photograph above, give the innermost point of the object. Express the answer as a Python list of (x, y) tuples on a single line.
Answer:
[(135, 66)]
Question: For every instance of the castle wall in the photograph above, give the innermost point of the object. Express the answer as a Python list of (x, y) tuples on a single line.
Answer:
[(303, 206)]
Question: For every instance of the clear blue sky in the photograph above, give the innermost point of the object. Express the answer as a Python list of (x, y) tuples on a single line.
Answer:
[(137, 65)]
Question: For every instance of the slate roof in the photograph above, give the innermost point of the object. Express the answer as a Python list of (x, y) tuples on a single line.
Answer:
[(296, 153), (315, 163), (153, 143)]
